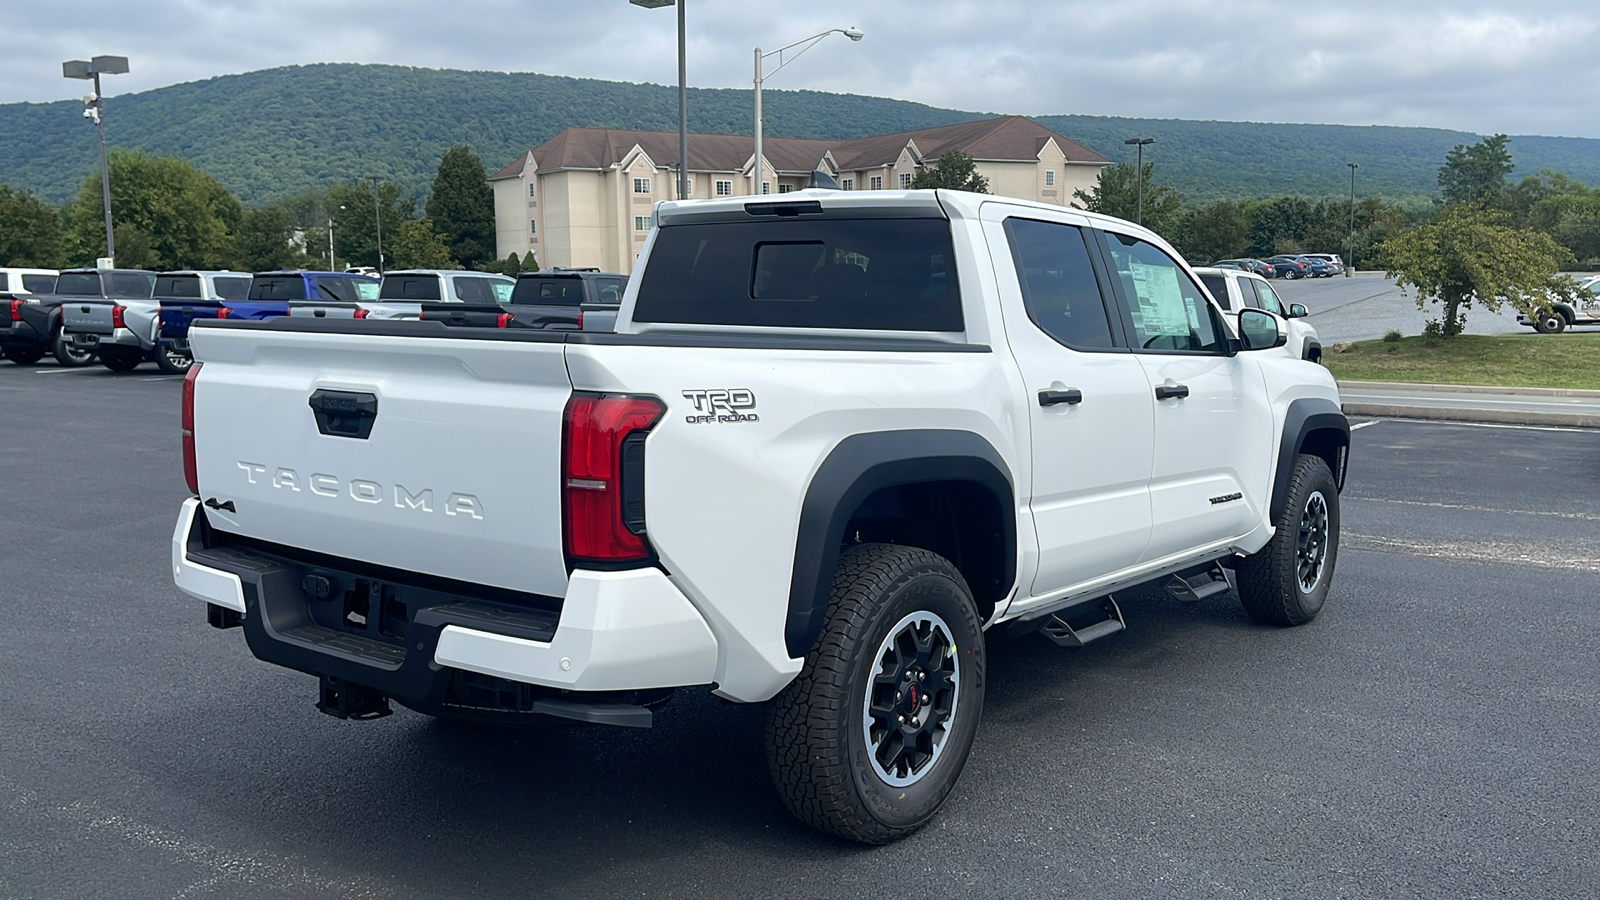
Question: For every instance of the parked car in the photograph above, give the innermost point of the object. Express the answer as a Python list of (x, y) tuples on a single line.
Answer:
[(269, 297), (363, 270), (1249, 265), (1561, 315), (403, 293), (28, 281), (868, 427), (1288, 265), (1320, 268), (1335, 264), (126, 333), (1234, 290), (34, 325)]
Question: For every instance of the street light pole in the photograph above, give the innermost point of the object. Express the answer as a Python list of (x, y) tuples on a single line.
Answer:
[(94, 108), (853, 34), (1138, 174), (683, 93), (377, 216), (1350, 262)]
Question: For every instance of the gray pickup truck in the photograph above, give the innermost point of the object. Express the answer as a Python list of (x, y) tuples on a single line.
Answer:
[(35, 323), (127, 331)]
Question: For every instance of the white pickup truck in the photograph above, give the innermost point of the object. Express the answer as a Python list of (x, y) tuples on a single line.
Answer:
[(835, 437)]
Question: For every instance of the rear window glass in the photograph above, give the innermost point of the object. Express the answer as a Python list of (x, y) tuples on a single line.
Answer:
[(473, 290), (888, 274), (1218, 286), (366, 288), (179, 287), (549, 290), (132, 284), (232, 288), (39, 284), (79, 284), (610, 290), (278, 287), (409, 287)]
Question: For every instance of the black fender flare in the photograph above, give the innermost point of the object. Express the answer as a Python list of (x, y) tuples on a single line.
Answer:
[(1304, 417), (860, 465), (1311, 350)]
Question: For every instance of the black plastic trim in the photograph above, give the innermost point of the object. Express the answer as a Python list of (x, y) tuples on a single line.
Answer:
[(1304, 416), (861, 465)]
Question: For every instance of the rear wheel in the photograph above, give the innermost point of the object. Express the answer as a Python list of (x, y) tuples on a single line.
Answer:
[(61, 347), (868, 741), (24, 356), (120, 359), (172, 361), (1287, 581)]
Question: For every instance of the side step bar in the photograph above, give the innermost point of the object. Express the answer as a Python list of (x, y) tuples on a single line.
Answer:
[(1064, 634), (1194, 585)]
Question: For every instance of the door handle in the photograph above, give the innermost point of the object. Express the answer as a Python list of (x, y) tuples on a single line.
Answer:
[(1169, 391), (1069, 396)]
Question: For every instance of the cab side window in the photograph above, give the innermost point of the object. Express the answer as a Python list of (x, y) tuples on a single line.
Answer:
[(1059, 287), (1268, 297), (1166, 309)]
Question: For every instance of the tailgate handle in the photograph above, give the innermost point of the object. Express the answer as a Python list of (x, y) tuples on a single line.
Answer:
[(344, 413)]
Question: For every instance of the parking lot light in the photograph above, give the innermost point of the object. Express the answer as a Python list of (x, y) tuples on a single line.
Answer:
[(854, 34), (1138, 174), (683, 95), (94, 108), (1350, 251)]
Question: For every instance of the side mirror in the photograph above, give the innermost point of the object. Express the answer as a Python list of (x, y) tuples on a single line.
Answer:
[(1298, 311), (1261, 330)]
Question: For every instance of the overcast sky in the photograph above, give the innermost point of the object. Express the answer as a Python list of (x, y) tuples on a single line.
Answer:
[(1528, 67)]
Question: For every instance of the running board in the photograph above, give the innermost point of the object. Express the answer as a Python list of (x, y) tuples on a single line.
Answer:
[(1194, 585), (1063, 634)]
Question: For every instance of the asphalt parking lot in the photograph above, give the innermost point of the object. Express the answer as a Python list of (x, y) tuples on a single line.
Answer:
[(1366, 305), (1431, 735)]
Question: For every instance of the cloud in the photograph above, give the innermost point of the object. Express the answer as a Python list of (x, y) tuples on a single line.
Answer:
[(1521, 68)]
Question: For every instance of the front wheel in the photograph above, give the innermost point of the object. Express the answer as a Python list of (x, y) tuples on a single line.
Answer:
[(868, 741), (172, 361), (1287, 581), (68, 354), (120, 359), (24, 356), (1550, 321)]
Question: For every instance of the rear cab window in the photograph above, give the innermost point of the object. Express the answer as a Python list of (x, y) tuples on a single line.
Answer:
[(178, 287), (79, 284), (836, 272), (409, 287), (231, 288), (278, 287), (549, 290)]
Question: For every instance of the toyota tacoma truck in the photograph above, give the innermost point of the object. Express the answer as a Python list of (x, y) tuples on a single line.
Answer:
[(34, 325), (268, 294), (833, 439), (126, 333)]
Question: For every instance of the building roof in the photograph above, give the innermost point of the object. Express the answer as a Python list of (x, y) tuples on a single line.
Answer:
[(1006, 138)]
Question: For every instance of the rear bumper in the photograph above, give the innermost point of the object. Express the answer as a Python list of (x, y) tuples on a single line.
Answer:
[(614, 631), (20, 334), (119, 337)]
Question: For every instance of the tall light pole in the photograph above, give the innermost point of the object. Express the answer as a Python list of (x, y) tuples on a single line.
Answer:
[(91, 70), (1350, 262), (1138, 173), (853, 34), (333, 266), (683, 95), (377, 216)]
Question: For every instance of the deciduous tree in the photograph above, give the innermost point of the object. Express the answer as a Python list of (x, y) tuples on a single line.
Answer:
[(954, 170), (176, 216), (419, 245), (1218, 231), (263, 240), (30, 231), (1116, 193)]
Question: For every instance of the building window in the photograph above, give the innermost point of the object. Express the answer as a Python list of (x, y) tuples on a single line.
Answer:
[(641, 223), (724, 189), (849, 184), (785, 188), (1049, 177), (877, 182), (533, 226), (641, 185), (905, 180), (688, 184), (766, 187), (530, 190)]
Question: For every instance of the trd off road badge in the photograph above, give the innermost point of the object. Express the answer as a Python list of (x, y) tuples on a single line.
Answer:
[(722, 405)]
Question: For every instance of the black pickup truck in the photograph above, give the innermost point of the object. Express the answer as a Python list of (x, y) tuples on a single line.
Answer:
[(549, 300), (30, 325)]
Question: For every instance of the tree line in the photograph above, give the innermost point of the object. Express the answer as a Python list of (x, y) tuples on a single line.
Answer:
[(168, 214)]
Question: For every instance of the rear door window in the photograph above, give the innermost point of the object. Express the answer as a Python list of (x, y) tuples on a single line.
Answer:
[(502, 290), (1059, 286), (822, 272), (473, 290), (231, 288), (1268, 297), (178, 287), (39, 284), (409, 287), (278, 287)]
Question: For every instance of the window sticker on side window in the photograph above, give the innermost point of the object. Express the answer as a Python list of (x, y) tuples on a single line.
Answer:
[(1162, 309)]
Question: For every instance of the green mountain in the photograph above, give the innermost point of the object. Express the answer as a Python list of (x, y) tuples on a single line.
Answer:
[(275, 132)]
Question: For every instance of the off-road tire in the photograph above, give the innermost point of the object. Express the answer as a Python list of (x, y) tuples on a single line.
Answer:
[(171, 361), (1270, 585), (61, 348), (121, 359), (24, 356), (816, 735)]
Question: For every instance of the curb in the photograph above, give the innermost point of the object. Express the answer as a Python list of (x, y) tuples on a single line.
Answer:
[(1465, 388), (1483, 416)]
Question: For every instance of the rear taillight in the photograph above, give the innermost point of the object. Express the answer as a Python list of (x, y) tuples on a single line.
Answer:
[(222, 312), (116, 317), (602, 466), (16, 310), (503, 320), (580, 320), (362, 313), (190, 474)]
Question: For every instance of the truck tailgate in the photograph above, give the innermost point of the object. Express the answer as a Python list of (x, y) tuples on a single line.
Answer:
[(87, 318), (456, 473), (176, 314)]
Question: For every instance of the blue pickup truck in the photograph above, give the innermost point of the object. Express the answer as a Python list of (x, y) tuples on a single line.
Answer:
[(270, 293)]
